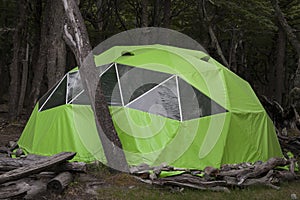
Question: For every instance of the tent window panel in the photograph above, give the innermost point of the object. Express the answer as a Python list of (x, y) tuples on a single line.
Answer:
[(133, 80), (195, 104), (82, 99), (74, 85), (102, 69), (141, 90), (161, 100), (110, 87), (46, 96), (58, 97)]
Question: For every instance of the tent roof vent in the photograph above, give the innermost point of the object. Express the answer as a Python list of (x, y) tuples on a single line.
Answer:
[(127, 53), (205, 58)]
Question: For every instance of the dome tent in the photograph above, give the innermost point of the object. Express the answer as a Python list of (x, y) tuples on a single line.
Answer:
[(168, 104)]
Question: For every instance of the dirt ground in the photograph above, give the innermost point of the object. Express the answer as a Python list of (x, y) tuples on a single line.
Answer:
[(10, 131)]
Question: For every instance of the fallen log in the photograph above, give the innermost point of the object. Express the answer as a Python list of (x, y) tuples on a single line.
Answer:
[(36, 167), (14, 190), (214, 188), (234, 172), (60, 182), (242, 174), (263, 168), (188, 178), (73, 166), (7, 164), (267, 180)]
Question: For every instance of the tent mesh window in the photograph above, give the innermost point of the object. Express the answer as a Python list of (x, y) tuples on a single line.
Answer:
[(110, 87), (160, 100), (195, 104), (76, 93), (44, 98), (133, 79), (58, 97), (74, 87)]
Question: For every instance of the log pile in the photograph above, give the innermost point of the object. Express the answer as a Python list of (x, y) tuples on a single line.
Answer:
[(228, 176), (27, 176)]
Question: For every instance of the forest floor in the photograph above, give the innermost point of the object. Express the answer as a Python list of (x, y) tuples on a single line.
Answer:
[(100, 183)]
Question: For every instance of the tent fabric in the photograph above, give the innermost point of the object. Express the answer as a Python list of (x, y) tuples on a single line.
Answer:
[(179, 106)]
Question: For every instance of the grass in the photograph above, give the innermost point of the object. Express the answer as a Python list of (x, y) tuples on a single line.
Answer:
[(142, 191), (124, 186)]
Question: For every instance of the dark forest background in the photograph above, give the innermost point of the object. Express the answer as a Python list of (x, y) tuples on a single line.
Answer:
[(258, 40)]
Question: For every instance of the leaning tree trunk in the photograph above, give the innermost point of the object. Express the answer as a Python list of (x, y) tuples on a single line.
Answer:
[(212, 34), (77, 38), (291, 37)]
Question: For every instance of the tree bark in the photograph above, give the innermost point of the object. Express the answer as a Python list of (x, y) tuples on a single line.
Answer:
[(77, 38), (279, 65), (23, 81), (291, 37), (144, 17), (39, 66), (18, 38), (156, 13), (14, 190), (167, 13), (56, 58), (232, 61), (36, 167), (212, 34), (60, 182)]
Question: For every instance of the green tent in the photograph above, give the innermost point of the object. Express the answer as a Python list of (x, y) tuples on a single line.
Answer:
[(168, 104)]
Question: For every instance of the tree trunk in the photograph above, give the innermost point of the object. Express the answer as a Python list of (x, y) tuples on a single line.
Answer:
[(18, 38), (144, 17), (279, 65), (56, 58), (212, 35), (156, 13), (36, 38), (291, 37), (77, 38), (41, 62), (23, 81), (167, 13), (232, 53)]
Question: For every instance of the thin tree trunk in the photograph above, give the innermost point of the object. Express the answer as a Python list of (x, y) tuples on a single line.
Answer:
[(23, 81), (77, 38), (279, 65), (291, 37), (144, 18), (18, 38), (212, 35), (156, 12), (167, 13), (232, 53)]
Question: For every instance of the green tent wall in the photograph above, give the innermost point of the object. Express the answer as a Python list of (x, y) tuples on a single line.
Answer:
[(239, 131)]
